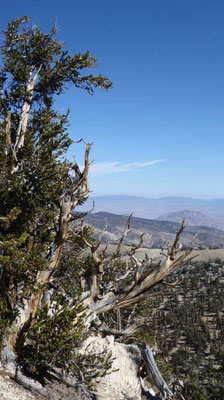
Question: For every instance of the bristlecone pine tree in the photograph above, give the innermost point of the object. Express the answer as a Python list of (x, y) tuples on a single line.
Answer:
[(38, 188), (38, 194)]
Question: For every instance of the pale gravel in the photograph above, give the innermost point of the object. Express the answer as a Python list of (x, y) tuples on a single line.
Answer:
[(207, 255), (10, 390)]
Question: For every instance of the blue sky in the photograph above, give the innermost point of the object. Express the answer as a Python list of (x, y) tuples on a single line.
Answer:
[(160, 130)]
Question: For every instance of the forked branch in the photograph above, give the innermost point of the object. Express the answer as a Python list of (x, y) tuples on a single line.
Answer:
[(139, 289), (101, 258)]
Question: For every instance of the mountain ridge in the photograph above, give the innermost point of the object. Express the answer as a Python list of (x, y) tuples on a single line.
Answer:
[(193, 218), (156, 232), (153, 208)]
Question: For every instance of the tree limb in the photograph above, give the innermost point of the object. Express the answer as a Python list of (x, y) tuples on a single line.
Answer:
[(154, 372)]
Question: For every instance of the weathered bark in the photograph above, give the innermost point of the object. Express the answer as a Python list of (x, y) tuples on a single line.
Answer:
[(26, 107), (13, 342), (8, 132), (104, 329), (29, 383), (154, 372), (24, 116), (26, 312), (101, 259), (139, 289)]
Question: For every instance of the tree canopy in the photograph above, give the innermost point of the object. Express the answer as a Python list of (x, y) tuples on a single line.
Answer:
[(39, 188)]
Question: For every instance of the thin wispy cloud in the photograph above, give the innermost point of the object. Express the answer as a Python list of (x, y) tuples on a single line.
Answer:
[(106, 168)]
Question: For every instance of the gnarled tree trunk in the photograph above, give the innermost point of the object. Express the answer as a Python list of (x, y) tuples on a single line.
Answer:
[(27, 306)]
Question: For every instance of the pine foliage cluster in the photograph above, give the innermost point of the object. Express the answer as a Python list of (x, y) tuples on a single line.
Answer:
[(55, 339)]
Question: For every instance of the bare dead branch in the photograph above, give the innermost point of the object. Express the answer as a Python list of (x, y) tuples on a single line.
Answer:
[(119, 319), (121, 241), (81, 215), (123, 303), (165, 249), (82, 176), (173, 251), (124, 276), (137, 246), (154, 372), (131, 314), (87, 243), (8, 131), (172, 284), (104, 251), (134, 261), (25, 110), (116, 332), (139, 289)]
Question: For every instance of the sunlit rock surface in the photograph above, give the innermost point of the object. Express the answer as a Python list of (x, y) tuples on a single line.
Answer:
[(123, 383)]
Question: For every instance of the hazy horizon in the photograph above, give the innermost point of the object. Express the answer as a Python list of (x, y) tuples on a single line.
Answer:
[(155, 196)]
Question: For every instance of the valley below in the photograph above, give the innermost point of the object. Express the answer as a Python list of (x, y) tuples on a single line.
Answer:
[(183, 319), (157, 233), (200, 256)]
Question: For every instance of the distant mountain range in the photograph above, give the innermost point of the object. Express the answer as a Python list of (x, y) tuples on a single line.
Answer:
[(193, 218), (155, 208), (156, 231)]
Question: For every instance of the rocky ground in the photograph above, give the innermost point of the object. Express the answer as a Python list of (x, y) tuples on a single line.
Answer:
[(10, 390)]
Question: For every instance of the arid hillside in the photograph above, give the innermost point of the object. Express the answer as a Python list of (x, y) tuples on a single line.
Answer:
[(156, 233)]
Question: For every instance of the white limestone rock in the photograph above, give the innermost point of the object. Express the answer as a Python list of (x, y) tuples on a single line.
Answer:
[(123, 383)]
